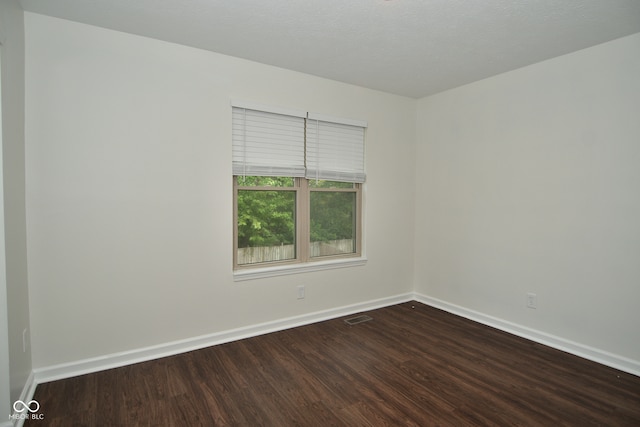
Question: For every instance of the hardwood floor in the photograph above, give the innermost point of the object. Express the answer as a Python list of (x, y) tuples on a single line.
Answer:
[(408, 366)]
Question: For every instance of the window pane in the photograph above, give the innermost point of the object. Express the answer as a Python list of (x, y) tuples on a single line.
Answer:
[(329, 184), (266, 226), (265, 181), (333, 225)]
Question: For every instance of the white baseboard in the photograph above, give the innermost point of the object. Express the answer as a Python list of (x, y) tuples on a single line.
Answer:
[(81, 367), (586, 352), (115, 360), (26, 395)]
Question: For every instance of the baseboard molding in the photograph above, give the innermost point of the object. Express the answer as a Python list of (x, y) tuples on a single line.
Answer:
[(115, 360), (26, 395), (600, 356)]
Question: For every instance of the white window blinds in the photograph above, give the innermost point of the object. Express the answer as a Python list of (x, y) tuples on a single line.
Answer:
[(335, 149), (273, 142), (267, 143)]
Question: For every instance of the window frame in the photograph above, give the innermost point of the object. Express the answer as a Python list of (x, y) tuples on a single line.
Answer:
[(302, 244)]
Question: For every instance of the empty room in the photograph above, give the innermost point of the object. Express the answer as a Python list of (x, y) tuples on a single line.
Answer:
[(380, 212)]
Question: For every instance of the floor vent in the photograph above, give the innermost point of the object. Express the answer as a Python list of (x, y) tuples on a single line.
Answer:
[(357, 319)]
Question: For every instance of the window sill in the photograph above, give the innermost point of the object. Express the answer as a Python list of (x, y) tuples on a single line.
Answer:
[(282, 270)]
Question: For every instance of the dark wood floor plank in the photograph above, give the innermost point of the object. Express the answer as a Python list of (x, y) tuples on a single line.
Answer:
[(411, 365)]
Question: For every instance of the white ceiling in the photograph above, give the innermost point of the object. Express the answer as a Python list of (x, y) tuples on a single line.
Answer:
[(408, 47)]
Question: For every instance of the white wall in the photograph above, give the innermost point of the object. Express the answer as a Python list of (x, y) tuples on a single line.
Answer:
[(526, 182), (529, 181), (5, 371), (13, 170), (129, 198)]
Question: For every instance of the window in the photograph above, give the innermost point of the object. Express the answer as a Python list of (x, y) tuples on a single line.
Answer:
[(297, 187), (266, 229)]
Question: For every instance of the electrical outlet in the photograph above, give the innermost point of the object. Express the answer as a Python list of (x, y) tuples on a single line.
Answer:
[(25, 340), (301, 292), (531, 300)]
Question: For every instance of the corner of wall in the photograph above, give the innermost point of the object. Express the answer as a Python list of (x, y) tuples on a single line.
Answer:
[(13, 200)]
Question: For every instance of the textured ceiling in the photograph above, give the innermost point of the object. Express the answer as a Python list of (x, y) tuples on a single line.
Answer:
[(408, 47)]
